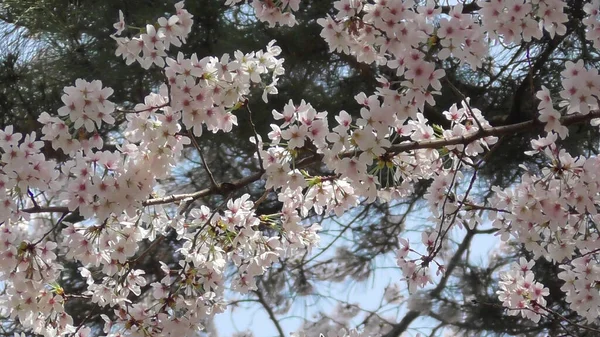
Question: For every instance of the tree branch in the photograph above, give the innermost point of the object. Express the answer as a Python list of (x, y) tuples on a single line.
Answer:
[(261, 300), (467, 8), (224, 188), (515, 111)]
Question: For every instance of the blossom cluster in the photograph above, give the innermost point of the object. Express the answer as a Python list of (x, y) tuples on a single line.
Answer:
[(400, 33), (86, 107), (388, 33), (274, 12), (521, 293), (23, 169), (576, 97), (550, 214), (522, 20), (592, 22), (154, 40)]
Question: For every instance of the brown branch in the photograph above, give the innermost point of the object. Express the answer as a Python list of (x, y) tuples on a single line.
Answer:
[(530, 125)]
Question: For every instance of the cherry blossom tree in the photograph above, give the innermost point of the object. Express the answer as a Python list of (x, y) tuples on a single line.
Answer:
[(105, 209)]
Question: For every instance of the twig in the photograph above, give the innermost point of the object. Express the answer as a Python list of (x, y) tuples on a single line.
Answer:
[(260, 200), (260, 162), (85, 319), (144, 110), (212, 215), (597, 331), (270, 312), (464, 99), (152, 245), (197, 146), (35, 204), (410, 316), (60, 220)]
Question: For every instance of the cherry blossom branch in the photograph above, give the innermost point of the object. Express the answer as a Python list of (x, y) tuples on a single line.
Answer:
[(464, 245), (225, 188), (549, 312), (486, 132), (486, 231), (434, 331), (335, 239), (85, 297), (371, 313), (46, 209), (585, 254), (497, 131), (85, 319), (470, 207), (212, 215), (410, 316), (597, 331), (442, 233)]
